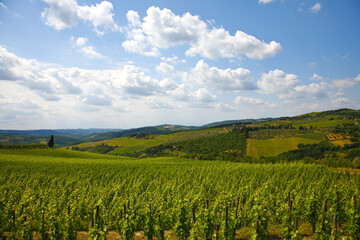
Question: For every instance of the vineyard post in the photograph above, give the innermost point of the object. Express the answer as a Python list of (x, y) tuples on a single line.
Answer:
[(162, 236), (124, 208), (14, 218), (127, 234), (217, 231), (207, 203), (296, 224), (335, 225), (289, 197), (97, 213), (226, 219), (45, 236), (92, 219), (69, 210), (236, 214), (354, 198), (150, 237), (257, 227), (193, 215), (237, 207), (43, 220), (290, 209), (323, 214), (313, 224)]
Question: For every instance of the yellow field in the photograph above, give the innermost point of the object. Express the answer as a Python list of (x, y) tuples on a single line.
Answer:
[(339, 140)]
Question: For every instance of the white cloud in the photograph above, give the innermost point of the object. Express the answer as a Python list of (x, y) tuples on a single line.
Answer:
[(203, 95), (225, 80), (96, 100), (248, 100), (81, 41), (133, 18), (317, 77), (313, 90), (315, 8), (341, 101), (100, 16), (3, 5), (312, 65), (277, 81), (63, 14), (164, 29), (357, 78), (139, 43), (90, 85), (224, 107), (265, 1), (346, 83), (218, 43), (88, 51), (165, 68), (173, 60)]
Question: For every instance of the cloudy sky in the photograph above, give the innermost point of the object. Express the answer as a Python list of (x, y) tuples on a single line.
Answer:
[(123, 64)]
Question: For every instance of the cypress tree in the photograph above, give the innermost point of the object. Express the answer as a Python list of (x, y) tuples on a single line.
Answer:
[(51, 141)]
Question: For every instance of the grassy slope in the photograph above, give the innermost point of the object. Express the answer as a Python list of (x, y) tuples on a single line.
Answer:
[(273, 147), (127, 144)]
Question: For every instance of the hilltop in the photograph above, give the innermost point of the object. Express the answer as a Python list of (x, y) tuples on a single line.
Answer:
[(329, 137)]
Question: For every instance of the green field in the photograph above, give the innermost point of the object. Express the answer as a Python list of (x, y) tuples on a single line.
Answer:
[(325, 123), (273, 147), (132, 144), (39, 185)]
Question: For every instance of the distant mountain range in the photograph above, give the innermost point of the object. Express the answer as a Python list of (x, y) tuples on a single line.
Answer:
[(66, 137)]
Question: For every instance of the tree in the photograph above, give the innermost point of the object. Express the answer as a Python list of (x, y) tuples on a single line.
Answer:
[(51, 141)]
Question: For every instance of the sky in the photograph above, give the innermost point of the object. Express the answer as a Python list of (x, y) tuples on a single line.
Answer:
[(127, 64)]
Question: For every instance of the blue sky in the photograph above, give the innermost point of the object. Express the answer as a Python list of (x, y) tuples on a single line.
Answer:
[(123, 64)]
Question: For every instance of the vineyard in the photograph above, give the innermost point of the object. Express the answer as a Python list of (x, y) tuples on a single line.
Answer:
[(55, 194)]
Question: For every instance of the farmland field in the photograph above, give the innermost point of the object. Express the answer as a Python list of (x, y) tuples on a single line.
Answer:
[(37, 186), (273, 147), (132, 144)]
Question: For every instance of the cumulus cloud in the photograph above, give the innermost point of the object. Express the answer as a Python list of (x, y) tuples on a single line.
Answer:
[(313, 90), (248, 100), (357, 78), (87, 50), (315, 8), (287, 87), (63, 14), (91, 85), (341, 101), (223, 79), (165, 68), (317, 77), (173, 60), (224, 107), (203, 95), (164, 29), (277, 81)]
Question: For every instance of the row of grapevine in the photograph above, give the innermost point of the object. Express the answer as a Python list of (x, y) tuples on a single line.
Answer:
[(204, 222), (37, 189)]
